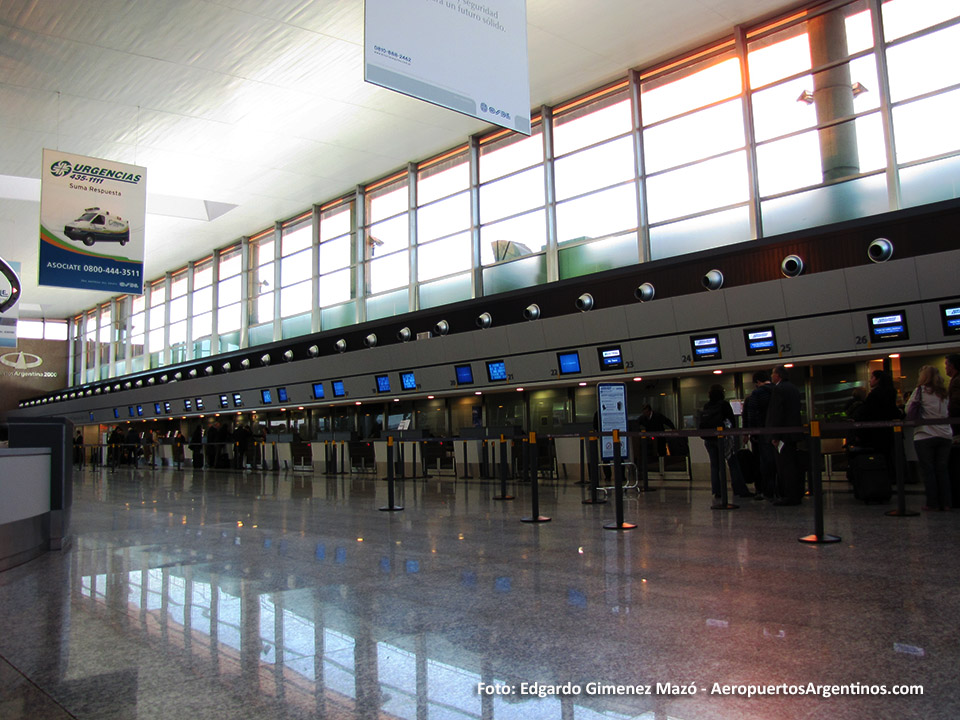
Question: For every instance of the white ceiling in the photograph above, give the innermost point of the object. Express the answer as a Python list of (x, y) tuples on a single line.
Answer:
[(261, 104)]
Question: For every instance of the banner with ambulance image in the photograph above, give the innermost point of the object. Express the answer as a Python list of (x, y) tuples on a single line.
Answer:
[(92, 216)]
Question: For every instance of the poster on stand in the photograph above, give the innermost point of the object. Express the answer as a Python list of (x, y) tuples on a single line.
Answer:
[(8, 319), (612, 411), (92, 217)]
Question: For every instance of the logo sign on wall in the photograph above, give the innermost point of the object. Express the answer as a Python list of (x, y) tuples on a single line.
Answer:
[(465, 55), (9, 289), (92, 216)]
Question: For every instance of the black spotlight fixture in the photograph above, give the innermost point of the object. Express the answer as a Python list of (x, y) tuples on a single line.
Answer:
[(265, 359), (226, 367), (585, 302), (713, 280), (163, 379), (644, 292), (340, 345), (245, 363), (404, 334), (370, 340), (127, 385), (791, 266), (151, 380), (287, 355), (192, 373), (313, 351), (178, 375), (484, 320), (208, 370), (442, 327), (532, 312), (880, 250)]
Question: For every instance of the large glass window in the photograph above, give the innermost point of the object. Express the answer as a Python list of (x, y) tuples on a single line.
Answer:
[(388, 235)]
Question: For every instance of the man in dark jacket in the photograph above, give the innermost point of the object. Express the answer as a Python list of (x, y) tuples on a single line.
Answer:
[(755, 409), (784, 411)]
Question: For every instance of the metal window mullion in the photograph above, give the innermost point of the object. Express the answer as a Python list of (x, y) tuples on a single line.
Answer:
[(413, 301), (215, 303), (550, 193), (147, 293), (360, 250), (71, 352), (639, 163), (277, 258), (191, 283), (128, 345), (476, 263), (315, 273), (245, 281), (886, 113), (114, 339), (753, 179), (167, 288)]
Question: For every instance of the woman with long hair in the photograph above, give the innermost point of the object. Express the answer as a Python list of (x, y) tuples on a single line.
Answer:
[(932, 442)]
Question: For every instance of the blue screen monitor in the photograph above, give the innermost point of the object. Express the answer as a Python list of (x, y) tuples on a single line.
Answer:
[(157, 409), (338, 389), (282, 395), (383, 383), (237, 400), (611, 358), (131, 411), (199, 403), (464, 374), (705, 347), (950, 315), (408, 381), (116, 413), (166, 408), (224, 402), (187, 405), (496, 370), (139, 410), (888, 326), (760, 341), (91, 416), (266, 397), (569, 362), (318, 391)]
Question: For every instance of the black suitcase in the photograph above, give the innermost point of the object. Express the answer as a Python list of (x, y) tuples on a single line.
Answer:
[(954, 476), (870, 476), (750, 468)]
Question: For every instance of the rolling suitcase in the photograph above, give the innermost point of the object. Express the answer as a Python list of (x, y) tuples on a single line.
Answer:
[(870, 476)]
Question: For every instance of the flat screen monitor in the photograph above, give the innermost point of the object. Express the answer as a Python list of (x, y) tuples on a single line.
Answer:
[(282, 395), (139, 410), (116, 413), (760, 341), (266, 397), (166, 408), (131, 411), (91, 416), (705, 347), (187, 405), (888, 326), (157, 409), (338, 389), (464, 374), (198, 403), (408, 381), (318, 391), (611, 358), (237, 400), (496, 370), (383, 383), (569, 362), (950, 317), (224, 402)]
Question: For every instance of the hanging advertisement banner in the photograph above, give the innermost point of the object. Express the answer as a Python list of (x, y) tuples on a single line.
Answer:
[(8, 319), (465, 55), (92, 216)]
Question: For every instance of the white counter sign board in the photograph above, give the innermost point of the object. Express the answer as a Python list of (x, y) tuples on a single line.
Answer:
[(465, 55), (92, 217), (8, 320), (612, 404)]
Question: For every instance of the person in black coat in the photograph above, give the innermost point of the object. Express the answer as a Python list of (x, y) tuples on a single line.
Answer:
[(755, 410), (880, 404), (784, 411)]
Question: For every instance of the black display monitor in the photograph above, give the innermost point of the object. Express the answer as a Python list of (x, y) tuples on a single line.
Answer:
[(266, 397), (496, 370), (237, 400), (318, 391), (408, 380), (338, 389), (568, 362), (464, 374), (131, 411), (705, 347), (611, 358), (760, 341), (950, 317), (198, 403), (224, 401), (282, 396), (139, 410), (888, 326), (116, 413), (157, 409), (383, 383), (166, 408), (187, 405)]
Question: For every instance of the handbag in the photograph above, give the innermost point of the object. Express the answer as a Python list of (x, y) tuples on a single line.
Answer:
[(915, 407)]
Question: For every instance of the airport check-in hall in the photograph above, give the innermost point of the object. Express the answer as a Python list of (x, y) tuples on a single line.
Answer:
[(635, 407)]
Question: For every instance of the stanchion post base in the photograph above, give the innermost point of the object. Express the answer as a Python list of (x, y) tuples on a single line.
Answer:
[(503, 497), (537, 519), (624, 526), (588, 501), (391, 509), (819, 539), (721, 506), (905, 513), (646, 489)]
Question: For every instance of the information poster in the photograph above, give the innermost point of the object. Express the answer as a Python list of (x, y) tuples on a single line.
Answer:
[(612, 404), (8, 319), (465, 55), (92, 216)]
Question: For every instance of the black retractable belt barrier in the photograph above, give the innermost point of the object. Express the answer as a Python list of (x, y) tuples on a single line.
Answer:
[(343, 468), (400, 455), (391, 505), (503, 472), (816, 487), (618, 487), (898, 461), (724, 503), (594, 467), (535, 516)]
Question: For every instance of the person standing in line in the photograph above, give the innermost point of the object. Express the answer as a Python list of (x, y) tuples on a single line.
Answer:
[(78, 449), (952, 366), (755, 409), (932, 442), (784, 411), (717, 413)]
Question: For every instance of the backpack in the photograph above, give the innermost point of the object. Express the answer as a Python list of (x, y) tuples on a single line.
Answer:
[(711, 416)]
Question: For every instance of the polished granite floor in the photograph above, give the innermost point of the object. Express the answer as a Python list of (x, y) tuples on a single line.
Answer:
[(214, 595)]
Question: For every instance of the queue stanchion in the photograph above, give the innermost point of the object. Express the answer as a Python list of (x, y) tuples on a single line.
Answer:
[(535, 516), (618, 487), (724, 503), (466, 463), (400, 455), (898, 462), (342, 453), (391, 505), (593, 465), (816, 487), (644, 468), (503, 472), (582, 480)]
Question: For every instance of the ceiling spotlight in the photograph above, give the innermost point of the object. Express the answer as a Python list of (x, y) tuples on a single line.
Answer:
[(644, 292), (713, 280), (127, 385), (117, 386), (880, 250), (139, 383), (532, 312), (208, 370), (313, 351), (178, 376), (97, 391), (245, 363), (265, 359), (484, 320), (226, 367), (370, 340), (404, 334), (585, 302), (442, 327), (791, 266), (192, 373), (340, 345), (288, 355), (150, 380)]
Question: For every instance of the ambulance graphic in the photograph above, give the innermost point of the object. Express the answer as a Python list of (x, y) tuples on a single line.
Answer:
[(96, 225)]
